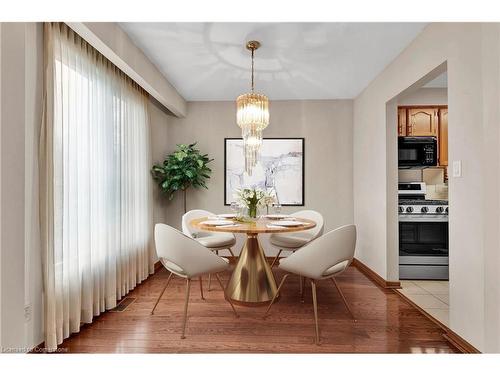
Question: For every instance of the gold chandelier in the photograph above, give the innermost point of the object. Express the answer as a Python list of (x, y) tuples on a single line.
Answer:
[(252, 116)]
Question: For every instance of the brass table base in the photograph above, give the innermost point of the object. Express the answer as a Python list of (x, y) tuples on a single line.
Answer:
[(252, 282)]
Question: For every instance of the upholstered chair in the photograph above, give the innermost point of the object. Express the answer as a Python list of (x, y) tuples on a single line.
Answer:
[(215, 241), (188, 259), (290, 242), (295, 240), (323, 258)]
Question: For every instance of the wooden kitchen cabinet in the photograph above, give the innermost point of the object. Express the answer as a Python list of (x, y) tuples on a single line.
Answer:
[(443, 136), (422, 122), (402, 121), (415, 121)]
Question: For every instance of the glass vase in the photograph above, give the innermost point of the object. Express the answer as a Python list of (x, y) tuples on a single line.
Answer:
[(252, 211)]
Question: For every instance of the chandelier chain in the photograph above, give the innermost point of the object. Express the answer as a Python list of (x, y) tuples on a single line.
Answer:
[(252, 67)]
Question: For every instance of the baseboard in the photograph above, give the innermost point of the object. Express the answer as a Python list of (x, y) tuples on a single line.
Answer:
[(379, 280), (157, 266), (460, 343), (456, 340)]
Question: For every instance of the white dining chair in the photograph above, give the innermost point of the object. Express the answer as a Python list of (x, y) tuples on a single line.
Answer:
[(186, 258), (215, 241), (324, 258), (295, 240), (290, 242)]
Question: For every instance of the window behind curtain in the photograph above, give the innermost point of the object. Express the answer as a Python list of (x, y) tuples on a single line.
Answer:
[(96, 211)]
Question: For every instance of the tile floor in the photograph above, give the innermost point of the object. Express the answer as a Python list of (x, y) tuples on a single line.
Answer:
[(430, 295)]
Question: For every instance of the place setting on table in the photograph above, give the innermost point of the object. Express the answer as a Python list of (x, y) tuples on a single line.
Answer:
[(283, 222), (252, 282)]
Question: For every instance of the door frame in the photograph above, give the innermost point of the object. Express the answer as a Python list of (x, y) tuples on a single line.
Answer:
[(392, 227)]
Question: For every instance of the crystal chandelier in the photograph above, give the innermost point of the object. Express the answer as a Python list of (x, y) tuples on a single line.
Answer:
[(252, 116)]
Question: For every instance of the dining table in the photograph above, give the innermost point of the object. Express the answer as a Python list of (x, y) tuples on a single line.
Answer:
[(252, 281)]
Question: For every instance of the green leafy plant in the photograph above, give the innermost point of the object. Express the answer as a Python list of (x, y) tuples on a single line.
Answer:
[(184, 168)]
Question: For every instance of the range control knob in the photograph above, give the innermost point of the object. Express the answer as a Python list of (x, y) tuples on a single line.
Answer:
[(439, 210), (401, 209), (424, 209), (409, 209), (446, 210)]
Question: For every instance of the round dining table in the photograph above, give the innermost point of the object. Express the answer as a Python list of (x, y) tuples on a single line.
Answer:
[(252, 282)]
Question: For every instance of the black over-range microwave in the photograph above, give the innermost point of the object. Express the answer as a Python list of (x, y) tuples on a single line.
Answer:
[(417, 151)]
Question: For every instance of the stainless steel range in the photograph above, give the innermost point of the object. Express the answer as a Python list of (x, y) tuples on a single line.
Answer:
[(423, 234)]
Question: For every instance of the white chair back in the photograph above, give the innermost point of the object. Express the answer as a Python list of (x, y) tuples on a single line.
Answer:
[(189, 230), (316, 217), (327, 255), (184, 252)]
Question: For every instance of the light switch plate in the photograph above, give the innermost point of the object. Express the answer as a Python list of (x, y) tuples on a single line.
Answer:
[(457, 168)]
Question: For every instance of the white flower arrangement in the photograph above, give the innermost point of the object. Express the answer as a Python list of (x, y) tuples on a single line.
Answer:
[(253, 198)]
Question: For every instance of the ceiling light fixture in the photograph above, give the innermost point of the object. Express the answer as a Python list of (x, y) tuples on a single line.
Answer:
[(252, 116)]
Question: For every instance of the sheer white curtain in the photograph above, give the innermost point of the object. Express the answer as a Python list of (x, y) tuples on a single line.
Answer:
[(96, 213)]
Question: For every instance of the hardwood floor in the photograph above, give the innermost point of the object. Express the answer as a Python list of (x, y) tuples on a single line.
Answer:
[(385, 322)]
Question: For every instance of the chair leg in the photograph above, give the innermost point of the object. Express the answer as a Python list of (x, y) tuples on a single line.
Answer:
[(201, 288), (188, 287), (210, 276), (276, 295), (315, 306), (302, 282), (343, 298), (276, 259), (163, 291), (231, 252), (227, 299)]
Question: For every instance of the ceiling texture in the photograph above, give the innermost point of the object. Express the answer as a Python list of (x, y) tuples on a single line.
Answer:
[(208, 61)]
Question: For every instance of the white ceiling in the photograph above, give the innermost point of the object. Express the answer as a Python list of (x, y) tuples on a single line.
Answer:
[(208, 61)]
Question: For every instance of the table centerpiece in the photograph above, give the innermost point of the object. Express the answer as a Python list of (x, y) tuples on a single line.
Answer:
[(252, 198)]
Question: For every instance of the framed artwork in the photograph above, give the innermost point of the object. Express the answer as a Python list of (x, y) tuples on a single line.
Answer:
[(281, 167)]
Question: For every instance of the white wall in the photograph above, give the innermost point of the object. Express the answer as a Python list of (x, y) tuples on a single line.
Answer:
[(1, 179), (491, 183), (472, 64), (32, 250), (21, 284), (12, 186), (424, 96), (327, 129)]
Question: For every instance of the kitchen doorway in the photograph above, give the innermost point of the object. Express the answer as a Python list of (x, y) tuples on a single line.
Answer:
[(418, 243)]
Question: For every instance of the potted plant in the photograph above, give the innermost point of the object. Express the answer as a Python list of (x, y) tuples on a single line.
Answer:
[(184, 168)]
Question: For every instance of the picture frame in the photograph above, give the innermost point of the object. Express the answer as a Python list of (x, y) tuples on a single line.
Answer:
[(282, 164)]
